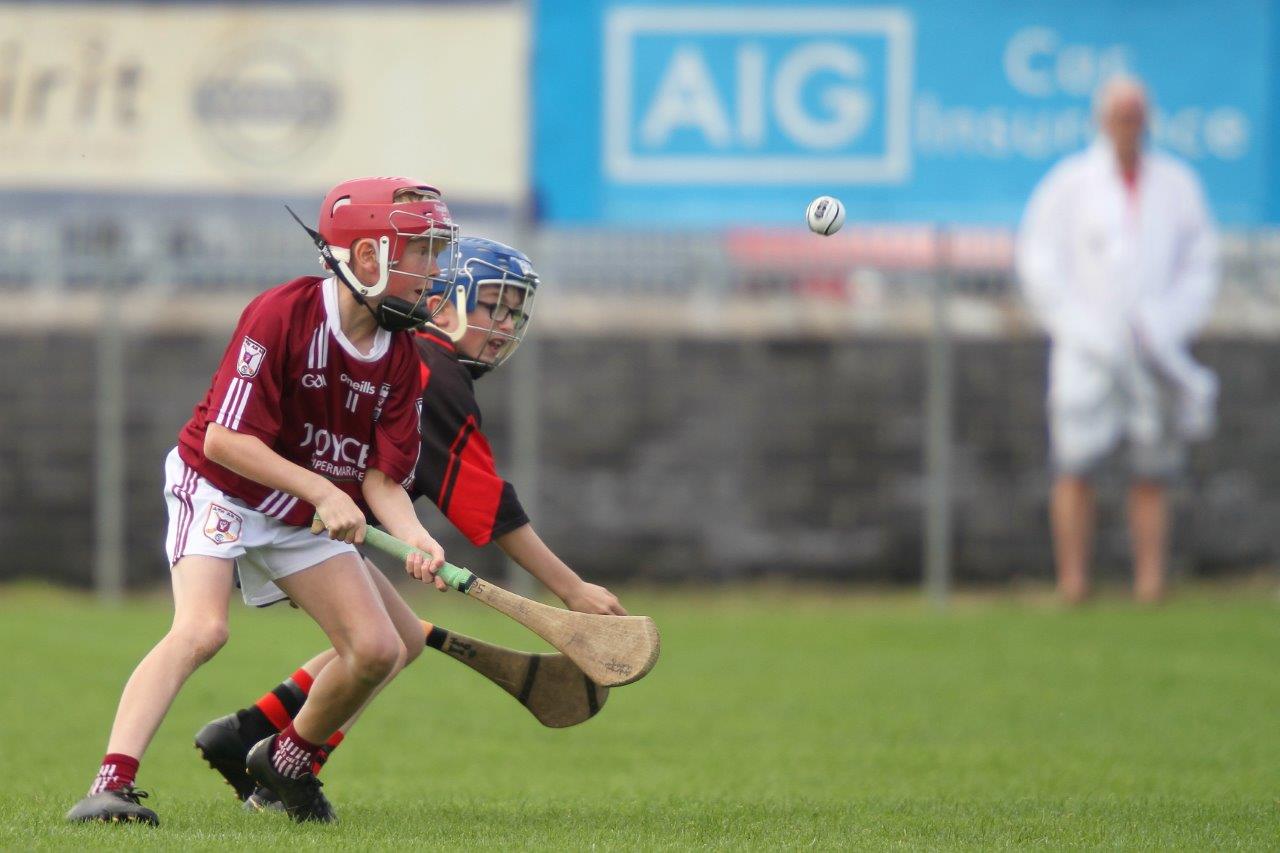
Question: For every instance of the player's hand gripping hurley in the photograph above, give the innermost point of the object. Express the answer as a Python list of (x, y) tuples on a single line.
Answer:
[(610, 650)]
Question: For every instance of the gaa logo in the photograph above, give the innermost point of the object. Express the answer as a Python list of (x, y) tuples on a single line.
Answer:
[(265, 103), (711, 95)]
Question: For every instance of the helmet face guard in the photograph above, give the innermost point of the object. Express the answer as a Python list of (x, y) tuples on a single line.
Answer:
[(492, 288), (404, 227), (504, 303)]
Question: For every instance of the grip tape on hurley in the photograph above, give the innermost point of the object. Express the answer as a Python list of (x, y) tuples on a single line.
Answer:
[(455, 576)]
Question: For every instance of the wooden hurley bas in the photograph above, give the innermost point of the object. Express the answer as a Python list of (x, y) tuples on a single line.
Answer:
[(610, 650), (550, 686)]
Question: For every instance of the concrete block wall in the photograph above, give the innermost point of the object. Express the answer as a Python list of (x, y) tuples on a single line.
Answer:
[(712, 459)]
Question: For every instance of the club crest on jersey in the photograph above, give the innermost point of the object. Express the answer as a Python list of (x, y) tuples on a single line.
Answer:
[(222, 525), (382, 399), (251, 355)]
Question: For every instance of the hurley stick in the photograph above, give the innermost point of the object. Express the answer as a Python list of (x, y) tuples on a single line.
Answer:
[(610, 650), (551, 686)]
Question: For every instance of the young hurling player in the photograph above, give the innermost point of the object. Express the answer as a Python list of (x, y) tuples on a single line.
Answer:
[(313, 411), (455, 471)]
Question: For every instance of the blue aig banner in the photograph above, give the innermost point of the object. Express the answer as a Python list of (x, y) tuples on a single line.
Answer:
[(707, 95), (715, 113)]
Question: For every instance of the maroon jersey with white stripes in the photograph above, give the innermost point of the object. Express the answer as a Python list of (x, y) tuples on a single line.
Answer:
[(291, 378)]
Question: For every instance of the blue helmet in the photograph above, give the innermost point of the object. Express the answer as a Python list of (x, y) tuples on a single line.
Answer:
[(496, 283)]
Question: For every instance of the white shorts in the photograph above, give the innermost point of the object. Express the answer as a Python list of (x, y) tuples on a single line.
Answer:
[(205, 521), (1094, 406)]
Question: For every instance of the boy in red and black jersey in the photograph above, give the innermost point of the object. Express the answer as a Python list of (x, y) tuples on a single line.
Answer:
[(313, 411), (484, 319), (456, 469), (477, 323)]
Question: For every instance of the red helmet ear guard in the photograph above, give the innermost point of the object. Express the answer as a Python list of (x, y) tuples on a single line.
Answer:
[(366, 208)]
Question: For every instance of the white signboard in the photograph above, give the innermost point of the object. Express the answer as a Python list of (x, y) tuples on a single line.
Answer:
[(275, 98)]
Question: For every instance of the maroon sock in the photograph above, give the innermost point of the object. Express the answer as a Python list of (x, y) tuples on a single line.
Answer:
[(117, 771), (292, 755)]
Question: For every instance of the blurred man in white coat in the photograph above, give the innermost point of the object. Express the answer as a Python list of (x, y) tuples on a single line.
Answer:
[(1118, 259)]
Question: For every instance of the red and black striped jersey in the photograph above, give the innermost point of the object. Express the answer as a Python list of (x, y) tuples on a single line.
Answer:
[(456, 470), (291, 378)]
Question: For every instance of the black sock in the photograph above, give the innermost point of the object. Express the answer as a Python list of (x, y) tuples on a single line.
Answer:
[(254, 725)]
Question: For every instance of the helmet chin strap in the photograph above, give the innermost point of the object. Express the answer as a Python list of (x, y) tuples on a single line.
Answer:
[(336, 260), (342, 256), (389, 315), (398, 315), (460, 303)]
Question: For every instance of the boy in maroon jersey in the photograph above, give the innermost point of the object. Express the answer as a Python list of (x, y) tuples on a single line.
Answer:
[(494, 287), (312, 412)]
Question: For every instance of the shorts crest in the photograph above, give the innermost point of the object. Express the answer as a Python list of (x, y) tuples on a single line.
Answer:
[(222, 525)]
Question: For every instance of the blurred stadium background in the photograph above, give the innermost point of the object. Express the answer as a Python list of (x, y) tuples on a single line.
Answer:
[(708, 389)]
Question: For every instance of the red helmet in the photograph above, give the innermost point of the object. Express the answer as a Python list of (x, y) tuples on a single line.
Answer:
[(366, 208)]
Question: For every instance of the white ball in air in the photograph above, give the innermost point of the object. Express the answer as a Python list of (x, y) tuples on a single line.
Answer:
[(825, 215)]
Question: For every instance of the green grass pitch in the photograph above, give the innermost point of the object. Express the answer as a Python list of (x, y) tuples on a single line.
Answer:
[(775, 719)]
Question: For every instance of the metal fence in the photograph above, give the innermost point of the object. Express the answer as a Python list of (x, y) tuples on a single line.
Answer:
[(867, 277), (129, 273)]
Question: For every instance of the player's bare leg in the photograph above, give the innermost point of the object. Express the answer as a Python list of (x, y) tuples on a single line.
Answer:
[(319, 662), (1072, 517), (408, 626), (1148, 531), (342, 598), (201, 588), (226, 741)]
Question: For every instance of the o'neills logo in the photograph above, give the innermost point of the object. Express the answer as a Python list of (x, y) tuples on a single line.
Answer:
[(265, 102), (363, 386)]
